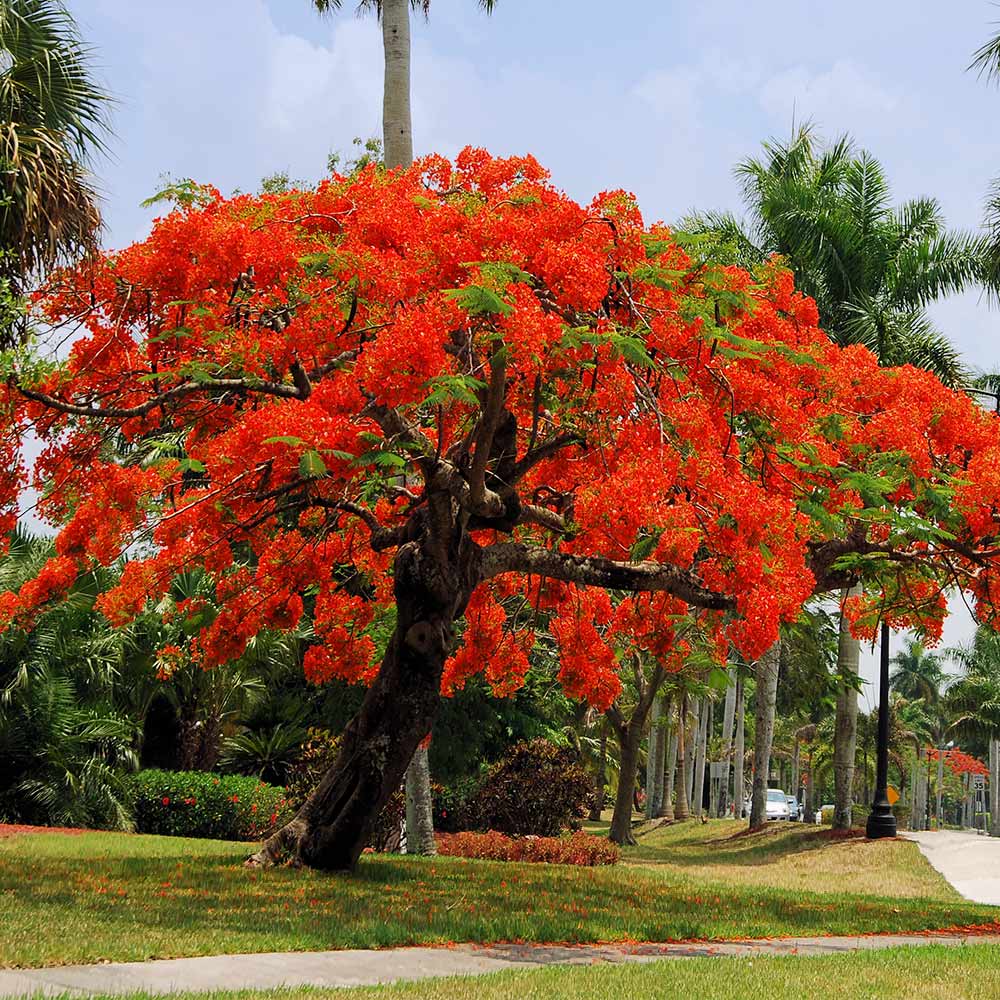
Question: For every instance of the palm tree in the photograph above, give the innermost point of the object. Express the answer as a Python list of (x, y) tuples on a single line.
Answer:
[(52, 120), (973, 702), (872, 269), (397, 147), (917, 674), (986, 62), (394, 15)]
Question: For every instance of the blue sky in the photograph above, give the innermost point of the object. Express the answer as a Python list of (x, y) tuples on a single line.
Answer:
[(659, 98)]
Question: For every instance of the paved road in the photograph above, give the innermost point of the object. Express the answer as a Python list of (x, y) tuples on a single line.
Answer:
[(361, 968), (969, 861)]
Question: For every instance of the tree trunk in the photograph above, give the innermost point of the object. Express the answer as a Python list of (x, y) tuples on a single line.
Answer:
[(846, 730), (397, 130), (681, 811), (669, 768), (659, 765), (739, 793), (335, 822), (767, 695), (796, 749), (419, 806), (701, 754), (602, 776), (629, 740), (728, 718), (994, 787), (652, 753), (915, 814), (691, 748), (809, 812)]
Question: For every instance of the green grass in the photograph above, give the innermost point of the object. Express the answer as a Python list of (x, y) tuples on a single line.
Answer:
[(789, 855), (113, 896), (926, 973)]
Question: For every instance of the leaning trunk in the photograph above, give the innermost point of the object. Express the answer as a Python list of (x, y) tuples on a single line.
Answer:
[(334, 824), (419, 808), (602, 776), (846, 731), (629, 739), (766, 699), (397, 132)]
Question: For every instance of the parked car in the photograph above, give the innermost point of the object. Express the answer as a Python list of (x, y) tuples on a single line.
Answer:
[(776, 806), (794, 813)]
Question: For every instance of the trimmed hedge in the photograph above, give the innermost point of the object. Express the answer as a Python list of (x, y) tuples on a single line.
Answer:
[(202, 804), (576, 849)]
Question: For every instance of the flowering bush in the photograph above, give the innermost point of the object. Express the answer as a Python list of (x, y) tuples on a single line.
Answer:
[(202, 804), (576, 849), (538, 788)]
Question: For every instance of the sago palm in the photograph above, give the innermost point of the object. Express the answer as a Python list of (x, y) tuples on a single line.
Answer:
[(52, 119)]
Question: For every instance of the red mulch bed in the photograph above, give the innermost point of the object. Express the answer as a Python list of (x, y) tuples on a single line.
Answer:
[(12, 830)]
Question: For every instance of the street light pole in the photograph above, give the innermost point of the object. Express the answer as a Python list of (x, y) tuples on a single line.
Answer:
[(881, 821)]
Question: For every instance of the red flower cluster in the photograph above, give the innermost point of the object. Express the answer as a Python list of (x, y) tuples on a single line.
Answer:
[(324, 358)]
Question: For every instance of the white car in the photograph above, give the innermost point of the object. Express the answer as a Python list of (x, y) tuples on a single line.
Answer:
[(776, 806)]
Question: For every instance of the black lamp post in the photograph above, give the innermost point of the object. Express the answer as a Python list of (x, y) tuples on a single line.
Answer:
[(881, 821)]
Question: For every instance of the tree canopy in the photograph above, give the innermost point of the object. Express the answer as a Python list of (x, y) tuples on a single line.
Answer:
[(407, 398)]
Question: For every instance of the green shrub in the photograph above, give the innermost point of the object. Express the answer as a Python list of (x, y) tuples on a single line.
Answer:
[(202, 804), (827, 816), (538, 788)]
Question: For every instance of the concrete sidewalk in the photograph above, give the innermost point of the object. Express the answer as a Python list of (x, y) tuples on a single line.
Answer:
[(364, 968), (969, 861)]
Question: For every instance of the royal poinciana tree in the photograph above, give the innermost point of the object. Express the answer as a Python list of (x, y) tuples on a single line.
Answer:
[(414, 403)]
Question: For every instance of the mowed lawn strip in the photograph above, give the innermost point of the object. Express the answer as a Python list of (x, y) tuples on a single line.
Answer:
[(788, 856), (102, 896), (924, 973)]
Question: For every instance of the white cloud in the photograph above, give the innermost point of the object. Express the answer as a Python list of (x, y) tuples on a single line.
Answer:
[(838, 98)]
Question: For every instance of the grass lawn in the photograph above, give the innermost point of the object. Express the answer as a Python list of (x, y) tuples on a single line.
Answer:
[(926, 973), (114, 896), (788, 856)]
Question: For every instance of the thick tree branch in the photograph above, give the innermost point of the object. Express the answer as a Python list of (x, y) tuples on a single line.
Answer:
[(542, 452), (512, 557)]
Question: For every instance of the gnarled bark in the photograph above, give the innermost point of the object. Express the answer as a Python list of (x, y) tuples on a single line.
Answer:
[(335, 822)]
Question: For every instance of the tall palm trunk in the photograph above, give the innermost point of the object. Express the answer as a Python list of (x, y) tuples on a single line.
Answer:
[(691, 748), (397, 128), (995, 787), (659, 763), (796, 751), (669, 768), (809, 814), (701, 755), (740, 751), (728, 718), (653, 752), (419, 806), (681, 811), (846, 730), (766, 700)]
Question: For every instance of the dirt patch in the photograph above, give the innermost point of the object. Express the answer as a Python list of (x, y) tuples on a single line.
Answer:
[(12, 830)]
